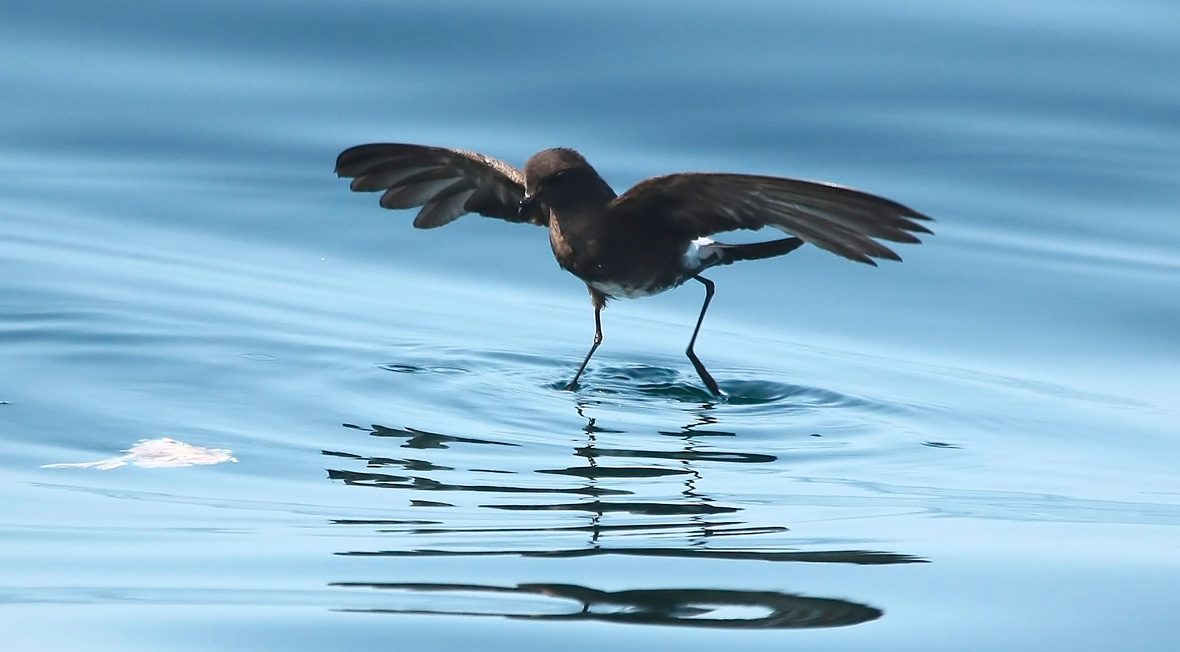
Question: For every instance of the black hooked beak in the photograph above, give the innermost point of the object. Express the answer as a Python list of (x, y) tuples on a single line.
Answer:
[(526, 203)]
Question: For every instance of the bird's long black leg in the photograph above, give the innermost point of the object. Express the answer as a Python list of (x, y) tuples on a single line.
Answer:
[(696, 362), (598, 304)]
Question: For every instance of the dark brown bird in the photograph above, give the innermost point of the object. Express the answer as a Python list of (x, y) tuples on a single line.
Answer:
[(651, 238)]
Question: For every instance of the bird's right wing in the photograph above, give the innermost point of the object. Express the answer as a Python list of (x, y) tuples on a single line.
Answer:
[(844, 221), (446, 183)]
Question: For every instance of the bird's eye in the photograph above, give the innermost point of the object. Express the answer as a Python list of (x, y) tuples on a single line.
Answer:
[(559, 175)]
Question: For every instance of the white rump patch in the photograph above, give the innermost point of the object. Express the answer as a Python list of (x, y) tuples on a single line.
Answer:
[(155, 454), (698, 254)]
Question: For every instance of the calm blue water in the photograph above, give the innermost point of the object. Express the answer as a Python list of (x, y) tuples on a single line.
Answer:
[(975, 449)]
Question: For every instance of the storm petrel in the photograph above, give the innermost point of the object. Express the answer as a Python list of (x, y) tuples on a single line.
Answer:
[(651, 238)]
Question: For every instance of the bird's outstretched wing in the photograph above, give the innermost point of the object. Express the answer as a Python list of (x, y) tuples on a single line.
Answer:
[(842, 220), (446, 183)]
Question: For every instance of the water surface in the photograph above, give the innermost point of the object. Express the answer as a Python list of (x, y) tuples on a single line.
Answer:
[(975, 448)]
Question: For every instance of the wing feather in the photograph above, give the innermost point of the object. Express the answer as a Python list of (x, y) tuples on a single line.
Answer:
[(446, 183), (842, 220)]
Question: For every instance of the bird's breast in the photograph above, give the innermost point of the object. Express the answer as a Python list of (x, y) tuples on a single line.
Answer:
[(623, 261), (562, 250)]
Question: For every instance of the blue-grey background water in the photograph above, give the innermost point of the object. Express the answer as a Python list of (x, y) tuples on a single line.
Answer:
[(975, 449)]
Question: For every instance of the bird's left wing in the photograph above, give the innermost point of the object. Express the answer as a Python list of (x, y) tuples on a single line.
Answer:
[(446, 183)]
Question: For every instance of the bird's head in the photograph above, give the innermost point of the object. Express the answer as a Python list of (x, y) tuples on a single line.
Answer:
[(560, 177)]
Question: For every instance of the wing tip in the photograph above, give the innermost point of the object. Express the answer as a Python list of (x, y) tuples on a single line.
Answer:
[(921, 228)]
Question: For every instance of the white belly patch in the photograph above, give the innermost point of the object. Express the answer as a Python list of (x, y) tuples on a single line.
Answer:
[(619, 290)]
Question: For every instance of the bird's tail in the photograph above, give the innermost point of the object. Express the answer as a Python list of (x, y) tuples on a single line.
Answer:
[(731, 253)]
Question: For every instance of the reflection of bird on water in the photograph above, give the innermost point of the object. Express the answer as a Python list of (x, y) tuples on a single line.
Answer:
[(679, 607)]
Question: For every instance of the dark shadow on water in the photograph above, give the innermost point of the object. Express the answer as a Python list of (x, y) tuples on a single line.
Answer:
[(421, 369), (858, 557), (593, 452), (601, 508), (423, 439), (421, 483), (681, 607), (615, 472), (424, 527)]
